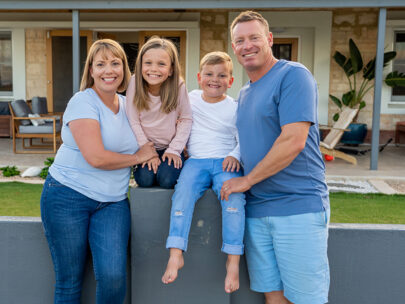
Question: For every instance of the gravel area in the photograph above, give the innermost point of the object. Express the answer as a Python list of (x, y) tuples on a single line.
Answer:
[(352, 186), (397, 185), (28, 180)]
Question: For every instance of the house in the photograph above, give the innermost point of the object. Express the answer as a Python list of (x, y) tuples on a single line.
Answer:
[(36, 44)]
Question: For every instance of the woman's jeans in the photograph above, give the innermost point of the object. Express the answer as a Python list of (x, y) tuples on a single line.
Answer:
[(71, 221), (196, 177), (166, 176)]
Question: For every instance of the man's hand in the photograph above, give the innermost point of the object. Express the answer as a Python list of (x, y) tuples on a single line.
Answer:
[(230, 163), (177, 163), (237, 184), (152, 164)]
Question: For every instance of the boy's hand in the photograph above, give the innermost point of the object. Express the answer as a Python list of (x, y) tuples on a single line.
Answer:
[(177, 163), (230, 163), (153, 164)]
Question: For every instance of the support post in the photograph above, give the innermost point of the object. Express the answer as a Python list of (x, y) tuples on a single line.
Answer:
[(76, 50), (379, 65)]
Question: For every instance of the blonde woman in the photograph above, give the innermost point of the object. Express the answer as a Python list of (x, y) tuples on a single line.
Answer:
[(84, 199)]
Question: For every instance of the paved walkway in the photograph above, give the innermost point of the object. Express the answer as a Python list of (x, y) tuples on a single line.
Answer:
[(389, 178), (22, 161)]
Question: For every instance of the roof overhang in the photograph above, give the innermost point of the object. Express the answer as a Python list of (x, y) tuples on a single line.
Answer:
[(193, 4)]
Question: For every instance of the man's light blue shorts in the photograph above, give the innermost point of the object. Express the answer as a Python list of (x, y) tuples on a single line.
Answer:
[(289, 253)]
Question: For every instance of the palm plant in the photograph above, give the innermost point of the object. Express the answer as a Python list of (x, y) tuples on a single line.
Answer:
[(352, 66)]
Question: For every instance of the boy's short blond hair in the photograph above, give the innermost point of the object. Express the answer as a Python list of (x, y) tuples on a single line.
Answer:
[(217, 58)]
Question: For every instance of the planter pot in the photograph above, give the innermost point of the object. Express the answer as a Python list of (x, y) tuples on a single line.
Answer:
[(356, 134)]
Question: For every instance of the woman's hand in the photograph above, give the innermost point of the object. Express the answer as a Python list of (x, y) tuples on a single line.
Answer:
[(230, 163), (177, 163), (145, 153), (153, 164)]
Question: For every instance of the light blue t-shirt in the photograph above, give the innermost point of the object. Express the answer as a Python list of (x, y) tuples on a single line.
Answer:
[(286, 94), (71, 169)]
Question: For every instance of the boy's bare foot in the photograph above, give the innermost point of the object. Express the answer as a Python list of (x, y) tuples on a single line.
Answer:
[(175, 263), (232, 273)]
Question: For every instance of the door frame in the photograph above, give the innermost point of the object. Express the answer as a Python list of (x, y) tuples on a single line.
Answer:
[(49, 67)]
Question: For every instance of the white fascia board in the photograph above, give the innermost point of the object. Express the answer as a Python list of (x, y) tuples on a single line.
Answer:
[(195, 4)]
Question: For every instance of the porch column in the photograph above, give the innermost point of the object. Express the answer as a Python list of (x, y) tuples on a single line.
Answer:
[(379, 65), (76, 50)]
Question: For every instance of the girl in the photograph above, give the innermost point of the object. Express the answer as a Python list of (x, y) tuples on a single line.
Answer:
[(159, 111)]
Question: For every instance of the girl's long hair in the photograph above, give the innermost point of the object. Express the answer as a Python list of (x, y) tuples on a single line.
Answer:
[(169, 90)]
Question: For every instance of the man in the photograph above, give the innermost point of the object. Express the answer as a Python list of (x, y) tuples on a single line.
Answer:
[(287, 207)]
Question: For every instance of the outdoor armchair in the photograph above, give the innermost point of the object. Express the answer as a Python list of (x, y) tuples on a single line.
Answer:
[(27, 125)]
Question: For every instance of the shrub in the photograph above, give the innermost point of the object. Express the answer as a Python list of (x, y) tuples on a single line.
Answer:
[(10, 171), (47, 163)]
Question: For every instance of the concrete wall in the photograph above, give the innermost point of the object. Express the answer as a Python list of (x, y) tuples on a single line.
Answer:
[(26, 269), (367, 261)]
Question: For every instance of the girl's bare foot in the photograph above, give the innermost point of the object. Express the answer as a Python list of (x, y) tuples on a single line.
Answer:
[(175, 263), (232, 273)]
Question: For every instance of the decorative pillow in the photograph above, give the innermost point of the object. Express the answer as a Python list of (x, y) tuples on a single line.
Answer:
[(21, 109), (36, 122), (39, 105)]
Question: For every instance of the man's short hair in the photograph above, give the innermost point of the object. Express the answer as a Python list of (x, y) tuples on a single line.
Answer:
[(217, 58), (247, 16)]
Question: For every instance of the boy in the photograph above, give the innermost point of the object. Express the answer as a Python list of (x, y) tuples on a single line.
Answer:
[(214, 158)]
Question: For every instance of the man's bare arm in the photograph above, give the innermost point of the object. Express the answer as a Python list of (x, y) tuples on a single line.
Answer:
[(285, 149)]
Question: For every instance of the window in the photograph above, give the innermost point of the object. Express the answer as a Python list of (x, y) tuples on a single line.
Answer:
[(6, 73), (398, 93), (285, 48)]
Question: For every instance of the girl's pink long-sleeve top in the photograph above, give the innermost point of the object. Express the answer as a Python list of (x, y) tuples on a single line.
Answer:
[(167, 131)]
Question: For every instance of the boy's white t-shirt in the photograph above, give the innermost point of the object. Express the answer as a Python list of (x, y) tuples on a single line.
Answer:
[(213, 132)]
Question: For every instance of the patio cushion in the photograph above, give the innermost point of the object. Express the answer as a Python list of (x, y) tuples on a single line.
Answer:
[(41, 129), (36, 122), (4, 110), (21, 109), (39, 105)]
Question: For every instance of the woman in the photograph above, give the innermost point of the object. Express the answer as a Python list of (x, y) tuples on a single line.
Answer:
[(84, 199)]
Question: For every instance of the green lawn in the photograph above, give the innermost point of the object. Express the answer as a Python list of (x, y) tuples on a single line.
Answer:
[(18, 199), (367, 208)]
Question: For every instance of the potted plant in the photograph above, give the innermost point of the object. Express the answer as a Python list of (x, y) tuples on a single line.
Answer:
[(354, 69)]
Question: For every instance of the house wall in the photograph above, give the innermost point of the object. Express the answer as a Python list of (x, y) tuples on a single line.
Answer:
[(35, 62), (317, 36), (213, 32), (361, 25)]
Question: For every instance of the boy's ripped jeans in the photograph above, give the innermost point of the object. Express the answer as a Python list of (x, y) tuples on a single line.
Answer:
[(197, 176)]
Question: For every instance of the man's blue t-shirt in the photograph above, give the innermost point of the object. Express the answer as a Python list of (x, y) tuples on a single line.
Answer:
[(71, 169), (286, 94)]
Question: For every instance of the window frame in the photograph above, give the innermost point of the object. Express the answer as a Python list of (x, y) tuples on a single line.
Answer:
[(396, 98), (9, 93), (389, 106)]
